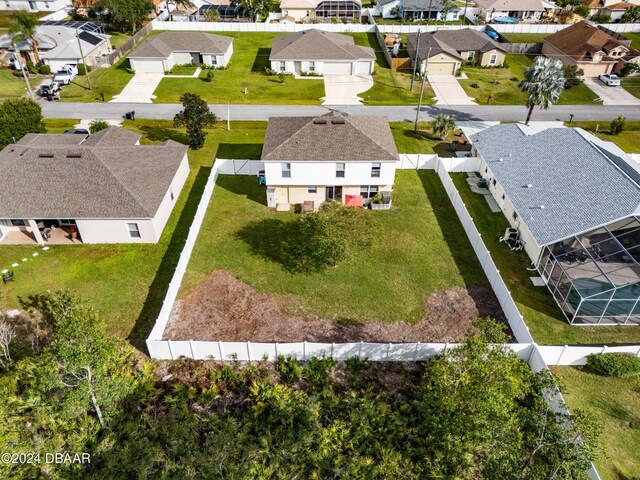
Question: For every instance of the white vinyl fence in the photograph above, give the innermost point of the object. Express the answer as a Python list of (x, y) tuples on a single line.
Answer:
[(511, 312)]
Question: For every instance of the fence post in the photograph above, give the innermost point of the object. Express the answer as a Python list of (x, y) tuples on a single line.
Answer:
[(415, 352), (170, 349), (191, 348), (561, 354), (360, 351), (332, 347), (276, 348), (220, 350), (249, 351), (304, 351), (388, 350)]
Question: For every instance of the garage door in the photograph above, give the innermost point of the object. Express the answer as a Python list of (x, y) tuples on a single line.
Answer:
[(337, 68), (441, 68), (147, 66), (364, 67)]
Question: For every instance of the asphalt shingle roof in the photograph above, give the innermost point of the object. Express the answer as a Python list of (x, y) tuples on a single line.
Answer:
[(581, 40), (452, 42), (331, 137), (579, 187), (316, 44), (163, 44), (106, 180)]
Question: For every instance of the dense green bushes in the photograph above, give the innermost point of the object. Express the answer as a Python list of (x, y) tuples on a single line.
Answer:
[(614, 364), (19, 116), (473, 412)]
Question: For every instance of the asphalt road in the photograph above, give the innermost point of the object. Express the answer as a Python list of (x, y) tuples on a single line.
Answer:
[(114, 111)]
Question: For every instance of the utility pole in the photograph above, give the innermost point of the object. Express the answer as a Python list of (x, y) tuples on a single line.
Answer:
[(16, 51), (424, 79), (86, 69), (415, 59)]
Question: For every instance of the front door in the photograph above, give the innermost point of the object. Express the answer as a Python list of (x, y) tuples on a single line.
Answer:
[(334, 193)]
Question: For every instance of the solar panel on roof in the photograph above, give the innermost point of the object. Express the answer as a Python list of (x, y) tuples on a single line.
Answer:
[(87, 37), (77, 25)]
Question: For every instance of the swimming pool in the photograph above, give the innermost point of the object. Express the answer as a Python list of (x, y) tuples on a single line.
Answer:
[(506, 20)]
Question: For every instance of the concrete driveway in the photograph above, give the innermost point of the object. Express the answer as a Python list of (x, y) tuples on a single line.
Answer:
[(610, 95), (344, 89), (448, 91), (139, 89)]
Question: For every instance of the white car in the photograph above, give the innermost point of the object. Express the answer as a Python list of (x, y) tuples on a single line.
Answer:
[(610, 79), (63, 77)]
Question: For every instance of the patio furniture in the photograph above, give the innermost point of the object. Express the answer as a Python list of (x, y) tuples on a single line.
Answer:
[(7, 277)]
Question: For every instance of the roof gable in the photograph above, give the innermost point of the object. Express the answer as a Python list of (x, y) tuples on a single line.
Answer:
[(317, 44), (582, 40), (165, 43)]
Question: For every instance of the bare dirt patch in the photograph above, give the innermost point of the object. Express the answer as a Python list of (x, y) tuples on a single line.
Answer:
[(226, 309)]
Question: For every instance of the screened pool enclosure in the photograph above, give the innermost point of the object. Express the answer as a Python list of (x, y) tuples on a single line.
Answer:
[(595, 277)]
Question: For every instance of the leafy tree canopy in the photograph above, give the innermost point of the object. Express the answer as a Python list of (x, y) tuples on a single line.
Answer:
[(19, 116), (195, 116), (123, 13)]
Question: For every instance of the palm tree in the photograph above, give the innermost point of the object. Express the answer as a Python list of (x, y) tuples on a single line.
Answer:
[(25, 27), (544, 82), (443, 124)]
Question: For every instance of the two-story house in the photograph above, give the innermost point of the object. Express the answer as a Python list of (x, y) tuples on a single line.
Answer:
[(348, 159)]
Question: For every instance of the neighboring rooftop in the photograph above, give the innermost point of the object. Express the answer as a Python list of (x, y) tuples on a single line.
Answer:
[(582, 40), (452, 42), (65, 176), (165, 43), (317, 44), (576, 184), (331, 137), (421, 5), (517, 5), (58, 41)]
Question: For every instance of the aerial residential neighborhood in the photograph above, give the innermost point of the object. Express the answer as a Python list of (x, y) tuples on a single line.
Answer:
[(320, 239)]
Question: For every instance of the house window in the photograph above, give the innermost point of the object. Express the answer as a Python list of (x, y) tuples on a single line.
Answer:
[(17, 223), (312, 189), (308, 12), (503, 196), (515, 215), (486, 169), (375, 170), (494, 182), (368, 191), (33, 6), (283, 67), (493, 59), (171, 192), (214, 60), (339, 170), (286, 170), (470, 56), (312, 66), (134, 231)]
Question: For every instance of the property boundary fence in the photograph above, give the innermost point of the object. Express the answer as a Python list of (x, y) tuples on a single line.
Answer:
[(121, 51)]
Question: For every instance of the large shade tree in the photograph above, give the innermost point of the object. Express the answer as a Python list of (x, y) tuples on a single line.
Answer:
[(24, 25), (194, 117), (543, 82), (124, 13)]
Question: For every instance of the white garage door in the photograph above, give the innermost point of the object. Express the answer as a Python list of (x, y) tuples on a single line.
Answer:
[(147, 66), (364, 67), (337, 68), (441, 68)]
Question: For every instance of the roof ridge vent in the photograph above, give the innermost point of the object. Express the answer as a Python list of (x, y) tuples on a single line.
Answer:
[(74, 155), (45, 155), (337, 121), (320, 121), (529, 185)]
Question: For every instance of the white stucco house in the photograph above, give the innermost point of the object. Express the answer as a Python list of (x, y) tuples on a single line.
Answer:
[(574, 201), (103, 188), (35, 5), (415, 10), (322, 52), (523, 10), (159, 53), (349, 159)]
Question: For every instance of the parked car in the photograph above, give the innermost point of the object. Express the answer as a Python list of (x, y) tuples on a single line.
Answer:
[(610, 79), (81, 131), (49, 88), (66, 74)]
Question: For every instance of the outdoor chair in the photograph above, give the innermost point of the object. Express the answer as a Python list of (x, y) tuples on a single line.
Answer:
[(7, 277)]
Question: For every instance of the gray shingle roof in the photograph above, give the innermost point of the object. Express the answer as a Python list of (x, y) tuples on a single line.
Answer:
[(579, 187), (48, 140), (331, 137), (452, 42), (112, 136), (106, 180), (163, 44), (318, 45), (421, 5)]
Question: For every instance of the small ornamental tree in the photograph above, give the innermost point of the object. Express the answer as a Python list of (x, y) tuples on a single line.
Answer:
[(194, 117), (443, 124), (618, 125), (19, 116), (97, 125), (572, 74), (543, 82)]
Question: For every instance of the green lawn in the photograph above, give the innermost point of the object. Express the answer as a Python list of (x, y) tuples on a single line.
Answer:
[(635, 39), (615, 402), (127, 283), (12, 86), (505, 89), (419, 247), (422, 141), (524, 37), (629, 140), (184, 70), (632, 85), (59, 125), (118, 38), (541, 314), (109, 81)]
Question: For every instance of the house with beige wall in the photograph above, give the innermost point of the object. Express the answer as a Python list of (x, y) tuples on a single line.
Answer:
[(447, 50), (574, 201), (332, 157), (524, 10), (590, 48), (99, 188), (160, 53), (306, 10)]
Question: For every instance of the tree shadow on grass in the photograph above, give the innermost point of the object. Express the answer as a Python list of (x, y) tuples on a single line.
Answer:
[(162, 134), (246, 186), (262, 60), (158, 288), (274, 239)]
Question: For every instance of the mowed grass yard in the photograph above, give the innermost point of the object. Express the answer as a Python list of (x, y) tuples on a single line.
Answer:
[(12, 86), (615, 403), (109, 81), (524, 37), (127, 283), (507, 92), (541, 314), (634, 37), (632, 85), (419, 247), (628, 140)]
